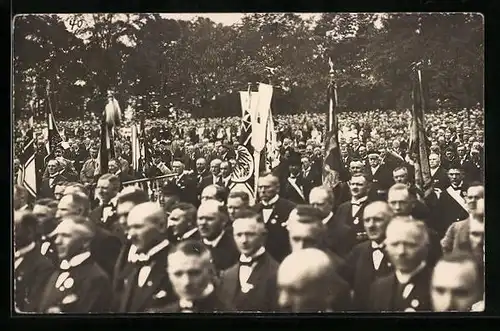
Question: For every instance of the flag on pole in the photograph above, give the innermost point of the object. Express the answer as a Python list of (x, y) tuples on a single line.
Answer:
[(272, 149), (332, 163), (259, 125), (136, 149), (28, 160), (54, 136), (243, 175), (418, 142)]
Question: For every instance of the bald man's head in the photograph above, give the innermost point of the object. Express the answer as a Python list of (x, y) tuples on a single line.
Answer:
[(146, 225), (305, 281)]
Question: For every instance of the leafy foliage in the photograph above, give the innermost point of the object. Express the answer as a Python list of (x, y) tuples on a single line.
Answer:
[(198, 66)]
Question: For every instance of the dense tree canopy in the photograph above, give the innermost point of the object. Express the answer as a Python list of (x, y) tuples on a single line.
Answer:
[(198, 66)]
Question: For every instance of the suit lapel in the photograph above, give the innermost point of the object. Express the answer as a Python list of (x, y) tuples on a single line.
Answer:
[(129, 283), (152, 283), (259, 271), (231, 282)]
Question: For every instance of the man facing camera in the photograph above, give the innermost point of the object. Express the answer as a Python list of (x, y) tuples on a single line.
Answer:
[(191, 272), (250, 285)]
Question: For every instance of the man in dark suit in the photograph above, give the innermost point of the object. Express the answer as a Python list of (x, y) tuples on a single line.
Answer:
[(214, 177), (460, 292), (182, 223), (185, 182), (368, 261), (201, 172), (106, 191), (45, 210), (212, 222), (306, 229), (293, 187), (349, 213), (451, 206), (440, 178), (340, 237), (310, 175), (275, 211), (214, 192), (47, 186), (146, 286), (80, 285), (127, 199), (407, 288), (115, 169), (250, 285), (307, 283), (192, 274), (403, 202), (380, 172), (225, 175), (31, 268), (236, 201)]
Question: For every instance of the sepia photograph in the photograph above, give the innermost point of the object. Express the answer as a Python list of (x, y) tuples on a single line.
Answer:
[(170, 163)]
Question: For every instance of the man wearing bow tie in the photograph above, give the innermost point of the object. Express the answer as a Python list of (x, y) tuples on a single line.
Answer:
[(350, 212), (182, 223), (191, 272), (212, 219), (31, 268), (406, 289), (368, 261), (80, 285), (225, 175), (250, 285), (45, 211), (439, 176), (127, 199), (293, 187), (106, 191), (307, 283), (201, 172), (451, 205), (54, 176), (275, 211), (146, 286)]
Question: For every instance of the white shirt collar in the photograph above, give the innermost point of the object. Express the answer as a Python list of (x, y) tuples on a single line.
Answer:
[(189, 233), (360, 200), (326, 219), (74, 261), (272, 201), (404, 278), (215, 242), (23, 251), (376, 245), (24, 207), (258, 253)]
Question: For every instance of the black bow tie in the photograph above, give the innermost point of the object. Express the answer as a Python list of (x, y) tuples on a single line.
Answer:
[(271, 206), (251, 261), (378, 247), (356, 203)]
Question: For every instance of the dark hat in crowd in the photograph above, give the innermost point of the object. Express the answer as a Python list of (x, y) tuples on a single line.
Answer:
[(294, 159), (170, 189)]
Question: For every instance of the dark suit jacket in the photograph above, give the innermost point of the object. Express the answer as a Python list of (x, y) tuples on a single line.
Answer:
[(277, 243), (447, 211), (46, 190), (225, 254), (175, 240), (289, 192), (91, 291), (208, 180), (312, 179), (262, 297), (341, 295), (343, 215), (121, 269), (156, 293), (30, 278), (340, 237), (382, 180), (188, 188), (360, 273), (210, 304), (440, 179), (384, 295)]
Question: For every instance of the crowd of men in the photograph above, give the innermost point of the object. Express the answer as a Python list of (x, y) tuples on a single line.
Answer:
[(374, 242)]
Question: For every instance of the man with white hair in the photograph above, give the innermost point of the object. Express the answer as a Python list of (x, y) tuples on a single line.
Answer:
[(307, 283), (407, 288), (48, 184), (80, 285), (215, 175), (146, 285)]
